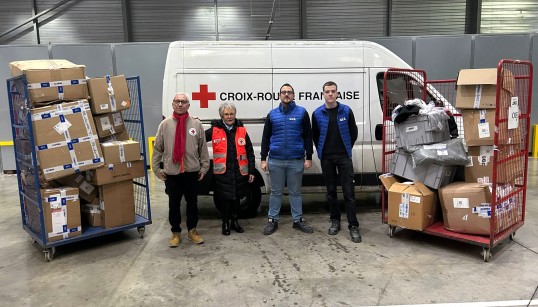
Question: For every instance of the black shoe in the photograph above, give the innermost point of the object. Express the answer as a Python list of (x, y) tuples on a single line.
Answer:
[(303, 226), (355, 234), (272, 226), (226, 228), (235, 226), (335, 227)]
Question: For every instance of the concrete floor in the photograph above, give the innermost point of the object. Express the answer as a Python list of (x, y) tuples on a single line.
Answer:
[(288, 268)]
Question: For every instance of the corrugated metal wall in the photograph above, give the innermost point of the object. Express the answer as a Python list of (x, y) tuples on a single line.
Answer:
[(434, 17), (12, 14), (345, 19), (96, 21), (165, 20), (509, 16), (85, 21), (161, 20), (249, 19)]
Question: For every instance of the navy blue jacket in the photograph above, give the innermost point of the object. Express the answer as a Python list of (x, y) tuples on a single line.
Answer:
[(346, 125), (287, 134)]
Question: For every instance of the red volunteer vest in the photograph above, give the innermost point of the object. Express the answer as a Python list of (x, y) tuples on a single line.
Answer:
[(220, 147)]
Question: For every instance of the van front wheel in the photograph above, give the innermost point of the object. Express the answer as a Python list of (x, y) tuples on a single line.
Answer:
[(248, 205)]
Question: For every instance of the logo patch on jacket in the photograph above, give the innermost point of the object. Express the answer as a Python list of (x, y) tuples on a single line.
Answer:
[(241, 141), (293, 118), (192, 131), (342, 119), (216, 141)]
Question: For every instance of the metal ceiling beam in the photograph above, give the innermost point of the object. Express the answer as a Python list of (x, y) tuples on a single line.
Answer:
[(34, 18)]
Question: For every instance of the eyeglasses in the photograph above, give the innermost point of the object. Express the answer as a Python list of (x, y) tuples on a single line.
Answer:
[(182, 102), (287, 92)]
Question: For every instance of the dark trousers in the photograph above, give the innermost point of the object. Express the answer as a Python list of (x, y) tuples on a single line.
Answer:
[(229, 209), (177, 186), (331, 168)]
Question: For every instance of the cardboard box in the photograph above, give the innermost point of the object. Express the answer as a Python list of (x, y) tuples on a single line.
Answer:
[(87, 191), (61, 213), (108, 124), (52, 80), (116, 172), (479, 128), (481, 168), (477, 88), (410, 205), (117, 204), (91, 213), (466, 207), (121, 151), (120, 136), (109, 94), (65, 139)]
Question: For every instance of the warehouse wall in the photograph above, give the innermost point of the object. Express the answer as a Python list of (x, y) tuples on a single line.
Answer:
[(441, 56), (117, 21)]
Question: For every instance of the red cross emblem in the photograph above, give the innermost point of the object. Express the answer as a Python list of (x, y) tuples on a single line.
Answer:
[(204, 96)]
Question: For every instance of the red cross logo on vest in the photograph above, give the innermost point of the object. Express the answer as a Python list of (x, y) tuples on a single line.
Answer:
[(204, 96), (241, 141)]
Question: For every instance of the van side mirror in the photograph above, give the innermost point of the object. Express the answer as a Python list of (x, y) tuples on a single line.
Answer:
[(379, 132)]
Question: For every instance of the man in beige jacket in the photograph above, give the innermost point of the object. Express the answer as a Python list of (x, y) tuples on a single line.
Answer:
[(181, 159)]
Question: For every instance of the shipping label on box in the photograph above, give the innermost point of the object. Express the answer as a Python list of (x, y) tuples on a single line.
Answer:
[(479, 127), (52, 80), (410, 205), (461, 204), (109, 94), (108, 124), (65, 139), (61, 213)]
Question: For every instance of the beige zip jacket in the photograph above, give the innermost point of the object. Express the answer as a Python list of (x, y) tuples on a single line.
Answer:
[(196, 155)]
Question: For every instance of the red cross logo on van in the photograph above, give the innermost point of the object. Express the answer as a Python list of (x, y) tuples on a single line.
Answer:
[(204, 96)]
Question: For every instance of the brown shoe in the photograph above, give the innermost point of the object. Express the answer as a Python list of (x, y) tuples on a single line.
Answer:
[(195, 237), (175, 239)]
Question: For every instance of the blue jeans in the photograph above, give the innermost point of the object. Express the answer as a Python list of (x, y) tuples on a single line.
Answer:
[(280, 173)]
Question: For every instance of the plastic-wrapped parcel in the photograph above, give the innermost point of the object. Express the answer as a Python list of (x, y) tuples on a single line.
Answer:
[(447, 153)]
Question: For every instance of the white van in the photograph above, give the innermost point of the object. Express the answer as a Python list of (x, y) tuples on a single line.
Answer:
[(250, 74)]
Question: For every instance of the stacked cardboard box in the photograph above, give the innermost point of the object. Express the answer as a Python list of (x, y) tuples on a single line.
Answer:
[(488, 108), (71, 117)]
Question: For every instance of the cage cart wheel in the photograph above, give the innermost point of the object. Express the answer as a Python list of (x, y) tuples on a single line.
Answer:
[(512, 236), (486, 253), (391, 231), (141, 231), (49, 253)]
